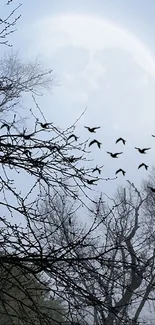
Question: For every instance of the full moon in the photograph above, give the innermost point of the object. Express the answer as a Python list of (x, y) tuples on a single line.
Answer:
[(100, 64), (92, 34), (107, 69)]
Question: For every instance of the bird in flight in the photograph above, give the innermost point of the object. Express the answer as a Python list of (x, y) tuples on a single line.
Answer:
[(44, 125), (142, 150), (153, 135), (95, 141), (121, 170), (143, 165), (72, 159), (91, 181), (92, 130), (151, 188), (7, 126), (114, 155), (72, 136), (97, 169), (27, 136), (120, 139)]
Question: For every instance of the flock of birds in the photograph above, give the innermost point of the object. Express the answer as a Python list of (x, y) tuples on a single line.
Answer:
[(115, 154), (94, 141)]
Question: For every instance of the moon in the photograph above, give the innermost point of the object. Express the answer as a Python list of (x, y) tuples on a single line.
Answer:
[(92, 34), (106, 68), (93, 58)]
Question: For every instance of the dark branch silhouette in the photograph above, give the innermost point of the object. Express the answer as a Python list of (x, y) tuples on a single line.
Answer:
[(151, 188)]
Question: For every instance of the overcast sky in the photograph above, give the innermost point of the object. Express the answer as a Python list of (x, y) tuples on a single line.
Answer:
[(102, 56), (102, 53)]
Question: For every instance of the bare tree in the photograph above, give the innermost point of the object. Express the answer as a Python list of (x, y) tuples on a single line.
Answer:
[(24, 299), (8, 23), (17, 78), (38, 163), (105, 273)]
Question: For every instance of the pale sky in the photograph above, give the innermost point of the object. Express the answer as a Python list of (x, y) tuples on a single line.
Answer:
[(102, 56), (102, 53)]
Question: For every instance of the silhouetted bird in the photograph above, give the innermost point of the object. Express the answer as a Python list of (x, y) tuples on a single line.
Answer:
[(153, 135), (72, 136), (91, 181), (96, 169), (70, 221), (114, 155), (120, 139), (27, 136), (9, 2), (95, 141), (151, 188), (142, 150), (72, 159), (143, 165), (44, 125), (92, 130), (121, 170), (5, 125)]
